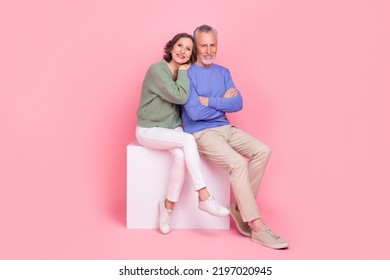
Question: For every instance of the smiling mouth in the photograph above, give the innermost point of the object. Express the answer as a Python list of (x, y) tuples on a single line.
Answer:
[(180, 56)]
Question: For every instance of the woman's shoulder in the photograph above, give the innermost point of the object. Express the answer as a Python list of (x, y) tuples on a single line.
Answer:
[(162, 64), (158, 67)]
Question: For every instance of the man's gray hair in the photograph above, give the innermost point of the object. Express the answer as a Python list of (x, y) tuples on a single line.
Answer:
[(205, 28)]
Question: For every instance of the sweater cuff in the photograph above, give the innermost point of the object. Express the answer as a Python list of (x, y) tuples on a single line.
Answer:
[(213, 102), (182, 72), (182, 79)]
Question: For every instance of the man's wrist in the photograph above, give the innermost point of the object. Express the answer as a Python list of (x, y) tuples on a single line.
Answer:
[(204, 100)]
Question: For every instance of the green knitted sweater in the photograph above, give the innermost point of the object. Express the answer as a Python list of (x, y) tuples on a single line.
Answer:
[(161, 96)]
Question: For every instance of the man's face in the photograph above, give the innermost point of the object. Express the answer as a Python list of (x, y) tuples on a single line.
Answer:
[(206, 44)]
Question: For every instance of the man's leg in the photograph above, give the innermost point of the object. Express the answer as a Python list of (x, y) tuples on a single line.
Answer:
[(258, 155), (217, 144), (213, 144), (254, 150)]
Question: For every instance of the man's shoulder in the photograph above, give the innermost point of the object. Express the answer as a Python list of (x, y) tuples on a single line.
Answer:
[(217, 67), (223, 68)]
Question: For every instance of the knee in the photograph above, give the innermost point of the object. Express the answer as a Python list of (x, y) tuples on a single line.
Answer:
[(263, 152), (189, 141), (237, 164), (178, 155), (267, 151)]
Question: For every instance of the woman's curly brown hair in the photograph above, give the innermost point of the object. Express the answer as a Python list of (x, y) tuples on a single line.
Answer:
[(168, 47)]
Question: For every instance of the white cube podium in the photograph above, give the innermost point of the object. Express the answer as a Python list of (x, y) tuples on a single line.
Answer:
[(147, 179)]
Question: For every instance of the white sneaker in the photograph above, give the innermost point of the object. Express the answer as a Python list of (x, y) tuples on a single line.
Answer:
[(213, 208), (165, 218)]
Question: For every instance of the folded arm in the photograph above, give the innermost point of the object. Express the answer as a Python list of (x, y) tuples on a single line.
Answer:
[(230, 102), (197, 111)]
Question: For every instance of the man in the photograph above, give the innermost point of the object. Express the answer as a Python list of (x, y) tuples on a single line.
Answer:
[(212, 95)]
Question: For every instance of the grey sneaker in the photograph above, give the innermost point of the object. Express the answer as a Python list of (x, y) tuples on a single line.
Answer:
[(213, 208), (242, 226), (164, 220), (268, 238)]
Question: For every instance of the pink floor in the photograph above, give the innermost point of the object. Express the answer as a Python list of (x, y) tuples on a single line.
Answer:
[(111, 240)]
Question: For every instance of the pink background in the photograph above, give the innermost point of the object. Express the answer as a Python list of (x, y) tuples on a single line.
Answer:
[(315, 80)]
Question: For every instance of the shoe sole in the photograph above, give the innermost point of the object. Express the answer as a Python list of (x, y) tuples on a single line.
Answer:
[(165, 233), (276, 246), (213, 214)]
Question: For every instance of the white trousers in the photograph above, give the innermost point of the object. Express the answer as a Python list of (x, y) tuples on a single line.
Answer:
[(185, 154)]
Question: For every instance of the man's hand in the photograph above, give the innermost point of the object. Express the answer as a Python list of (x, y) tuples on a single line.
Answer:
[(231, 92), (204, 100)]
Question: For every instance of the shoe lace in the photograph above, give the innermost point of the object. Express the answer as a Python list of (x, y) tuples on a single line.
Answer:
[(165, 219), (216, 205), (271, 233)]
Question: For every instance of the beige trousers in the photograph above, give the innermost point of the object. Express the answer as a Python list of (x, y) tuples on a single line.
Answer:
[(243, 156)]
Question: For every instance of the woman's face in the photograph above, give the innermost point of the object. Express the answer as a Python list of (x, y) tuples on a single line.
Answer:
[(182, 50)]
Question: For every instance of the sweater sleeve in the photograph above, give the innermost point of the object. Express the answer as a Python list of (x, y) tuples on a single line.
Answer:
[(161, 83), (229, 104), (196, 111)]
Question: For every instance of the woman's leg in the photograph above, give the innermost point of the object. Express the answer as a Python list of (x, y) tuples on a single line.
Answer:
[(170, 139), (176, 177), (160, 138)]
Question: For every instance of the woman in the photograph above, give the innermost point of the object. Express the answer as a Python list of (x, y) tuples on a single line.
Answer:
[(164, 89)]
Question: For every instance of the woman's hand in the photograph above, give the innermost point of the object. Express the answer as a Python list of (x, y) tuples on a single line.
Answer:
[(184, 66)]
